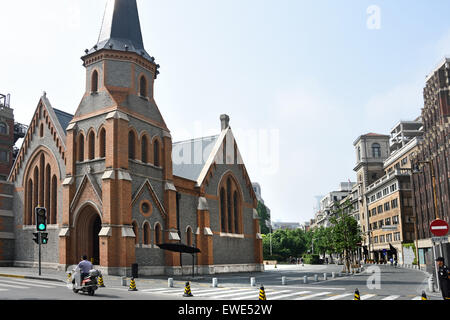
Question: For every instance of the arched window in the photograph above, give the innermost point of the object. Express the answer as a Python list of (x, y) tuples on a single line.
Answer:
[(3, 128), (359, 153), (158, 234), (35, 192), (189, 236), (81, 147), (94, 82), (135, 230), (131, 145), (146, 239), (229, 206), (236, 208), (143, 87), (102, 143), (91, 146), (144, 148), (48, 190), (41, 130), (29, 214), (54, 200), (376, 150), (156, 153), (223, 210)]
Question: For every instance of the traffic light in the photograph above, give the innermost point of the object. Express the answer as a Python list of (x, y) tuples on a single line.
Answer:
[(41, 219), (44, 238), (36, 237)]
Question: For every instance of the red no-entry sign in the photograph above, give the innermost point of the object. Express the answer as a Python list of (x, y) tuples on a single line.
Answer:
[(439, 228)]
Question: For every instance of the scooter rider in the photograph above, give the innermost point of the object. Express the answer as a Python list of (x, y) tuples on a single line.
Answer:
[(85, 266)]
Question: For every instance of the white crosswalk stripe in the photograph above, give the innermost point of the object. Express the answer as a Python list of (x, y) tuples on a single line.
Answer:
[(13, 286), (28, 283), (367, 296), (289, 295), (391, 298), (240, 293), (340, 296), (313, 295), (417, 298)]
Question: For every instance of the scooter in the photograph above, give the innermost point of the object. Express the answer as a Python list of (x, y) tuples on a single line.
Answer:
[(89, 284)]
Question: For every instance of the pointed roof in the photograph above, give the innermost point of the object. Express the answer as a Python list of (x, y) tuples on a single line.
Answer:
[(121, 29)]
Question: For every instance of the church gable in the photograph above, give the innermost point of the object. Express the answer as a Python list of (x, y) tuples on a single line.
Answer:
[(46, 130), (88, 191), (146, 191)]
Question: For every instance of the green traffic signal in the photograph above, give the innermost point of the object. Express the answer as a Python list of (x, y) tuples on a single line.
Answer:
[(41, 219), (41, 227), (44, 238)]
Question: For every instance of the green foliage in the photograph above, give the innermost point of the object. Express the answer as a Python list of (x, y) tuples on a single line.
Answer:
[(285, 244), (265, 217), (413, 247), (311, 259)]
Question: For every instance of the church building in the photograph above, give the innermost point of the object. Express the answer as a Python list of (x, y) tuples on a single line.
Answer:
[(115, 185)]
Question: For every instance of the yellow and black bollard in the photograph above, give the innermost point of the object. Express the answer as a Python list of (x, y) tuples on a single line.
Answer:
[(424, 296), (262, 294), (357, 296), (187, 290), (100, 282), (132, 285)]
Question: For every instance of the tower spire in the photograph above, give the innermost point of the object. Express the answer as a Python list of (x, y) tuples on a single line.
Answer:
[(121, 29)]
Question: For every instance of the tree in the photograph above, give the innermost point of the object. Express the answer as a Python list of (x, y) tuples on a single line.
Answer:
[(265, 218), (285, 244), (346, 234)]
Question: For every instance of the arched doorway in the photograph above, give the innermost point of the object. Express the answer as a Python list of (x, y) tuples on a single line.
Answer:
[(87, 228)]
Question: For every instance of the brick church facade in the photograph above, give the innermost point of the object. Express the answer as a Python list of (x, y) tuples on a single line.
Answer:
[(115, 185)]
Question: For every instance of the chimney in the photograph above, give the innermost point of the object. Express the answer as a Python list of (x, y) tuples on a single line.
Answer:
[(224, 121)]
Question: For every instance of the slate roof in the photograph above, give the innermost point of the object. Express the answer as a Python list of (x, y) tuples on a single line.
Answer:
[(189, 157), (120, 28), (64, 118)]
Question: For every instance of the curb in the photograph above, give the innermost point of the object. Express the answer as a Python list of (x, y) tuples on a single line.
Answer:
[(30, 277)]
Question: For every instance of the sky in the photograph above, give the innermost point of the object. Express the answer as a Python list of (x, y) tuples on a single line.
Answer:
[(300, 80)]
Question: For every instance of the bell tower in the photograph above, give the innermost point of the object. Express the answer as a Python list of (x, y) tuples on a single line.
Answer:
[(117, 143)]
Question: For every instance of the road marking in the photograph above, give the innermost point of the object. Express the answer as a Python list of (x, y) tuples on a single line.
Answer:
[(246, 291), (210, 291), (313, 295), (339, 296), (28, 283), (391, 298), (367, 296), (4, 290), (417, 298), (289, 295), (11, 286), (160, 290)]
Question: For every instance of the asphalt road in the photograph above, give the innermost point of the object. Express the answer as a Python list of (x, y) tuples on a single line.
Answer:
[(375, 283)]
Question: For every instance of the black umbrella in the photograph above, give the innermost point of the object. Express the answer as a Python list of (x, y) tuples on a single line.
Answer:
[(179, 247)]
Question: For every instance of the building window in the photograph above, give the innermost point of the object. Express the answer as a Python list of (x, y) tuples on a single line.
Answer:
[(94, 82), (146, 235), (144, 148), (158, 234), (4, 156), (387, 206), (380, 224), (3, 128), (223, 209), (376, 150), (389, 237), (380, 209), (387, 221), (395, 219), (394, 203), (189, 236), (236, 210), (393, 187), (91, 141), (156, 153), (131, 145), (375, 239), (102, 143), (397, 236), (381, 239), (41, 130), (143, 87), (81, 147)]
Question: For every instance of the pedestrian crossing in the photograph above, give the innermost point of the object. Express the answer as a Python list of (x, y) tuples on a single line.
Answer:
[(7, 284), (271, 294)]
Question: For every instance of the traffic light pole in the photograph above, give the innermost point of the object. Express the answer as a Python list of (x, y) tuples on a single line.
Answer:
[(39, 237)]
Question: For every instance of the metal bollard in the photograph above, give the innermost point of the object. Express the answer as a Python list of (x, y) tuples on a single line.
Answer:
[(283, 281), (214, 282), (333, 275), (325, 276), (305, 279), (340, 274), (170, 282), (431, 284), (124, 282), (316, 278), (252, 282)]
